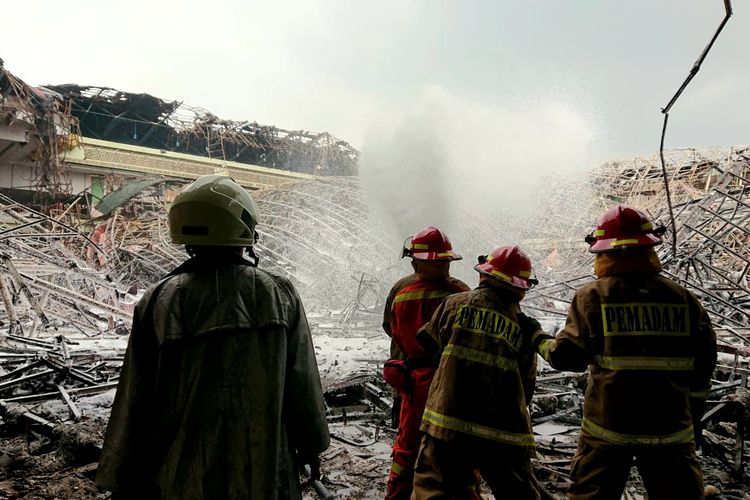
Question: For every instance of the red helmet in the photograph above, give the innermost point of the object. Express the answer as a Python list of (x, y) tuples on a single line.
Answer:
[(508, 264), (623, 227), (429, 244)]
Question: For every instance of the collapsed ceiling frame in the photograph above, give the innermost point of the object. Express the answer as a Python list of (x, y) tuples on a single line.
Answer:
[(144, 120)]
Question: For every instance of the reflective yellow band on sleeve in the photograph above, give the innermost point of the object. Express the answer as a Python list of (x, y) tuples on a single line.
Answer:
[(617, 363), (594, 430), (478, 430), (421, 295), (481, 357), (545, 346), (700, 394), (397, 469)]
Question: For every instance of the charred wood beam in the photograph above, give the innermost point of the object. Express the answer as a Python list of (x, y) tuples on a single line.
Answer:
[(26, 378), (79, 391), (8, 356), (73, 373), (34, 342), (14, 373), (75, 412), (18, 411), (555, 416)]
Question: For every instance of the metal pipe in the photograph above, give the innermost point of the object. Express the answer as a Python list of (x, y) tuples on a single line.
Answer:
[(319, 487), (693, 71)]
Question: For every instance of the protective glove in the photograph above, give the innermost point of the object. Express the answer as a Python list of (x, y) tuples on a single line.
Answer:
[(314, 464)]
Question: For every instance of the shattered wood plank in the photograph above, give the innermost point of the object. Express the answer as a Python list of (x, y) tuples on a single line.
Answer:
[(26, 378), (74, 410), (79, 391), (35, 342), (18, 371), (18, 411), (70, 371)]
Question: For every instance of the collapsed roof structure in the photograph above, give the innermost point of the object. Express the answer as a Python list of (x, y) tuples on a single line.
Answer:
[(51, 137), (144, 120)]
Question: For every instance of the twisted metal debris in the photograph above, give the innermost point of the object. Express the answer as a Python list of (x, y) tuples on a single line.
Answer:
[(711, 197)]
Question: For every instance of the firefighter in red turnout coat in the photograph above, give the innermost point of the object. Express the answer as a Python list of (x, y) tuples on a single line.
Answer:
[(410, 304)]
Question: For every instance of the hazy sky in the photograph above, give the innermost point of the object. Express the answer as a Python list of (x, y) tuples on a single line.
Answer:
[(592, 68)]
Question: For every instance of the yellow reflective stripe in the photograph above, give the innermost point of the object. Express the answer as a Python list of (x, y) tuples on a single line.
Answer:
[(624, 242), (445, 254), (545, 347), (420, 246), (524, 274), (397, 469), (421, 294), (646, 226), (599, 232), (482, 357), (478, 430), (644, 333), (592, 429), (500, 275), (700, 394), (644, 363)]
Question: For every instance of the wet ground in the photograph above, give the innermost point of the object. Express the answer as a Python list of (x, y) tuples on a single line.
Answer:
[(60, 463)]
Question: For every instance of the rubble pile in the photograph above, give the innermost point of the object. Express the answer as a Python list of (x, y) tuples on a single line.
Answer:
[(69, 279)]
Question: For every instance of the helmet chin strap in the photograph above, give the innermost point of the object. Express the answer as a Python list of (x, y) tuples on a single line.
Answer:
[(253, 258)]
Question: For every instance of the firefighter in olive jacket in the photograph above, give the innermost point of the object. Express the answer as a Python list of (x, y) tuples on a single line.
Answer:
[(476, 417), (410, 305), (650, 350), (219, 395)]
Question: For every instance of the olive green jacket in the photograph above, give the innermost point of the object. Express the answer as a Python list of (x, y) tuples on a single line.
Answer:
[(218, 391)]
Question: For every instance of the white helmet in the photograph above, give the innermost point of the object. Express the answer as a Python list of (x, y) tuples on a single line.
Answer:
[(213, 211)]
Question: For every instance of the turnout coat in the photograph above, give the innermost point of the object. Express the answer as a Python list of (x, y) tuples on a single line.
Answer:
[(486, 372), (650, 349), (219, 389)]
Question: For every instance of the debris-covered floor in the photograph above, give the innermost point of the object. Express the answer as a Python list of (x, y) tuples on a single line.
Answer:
[(49, 447)]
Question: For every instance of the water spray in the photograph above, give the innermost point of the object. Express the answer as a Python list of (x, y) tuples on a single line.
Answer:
[(665, 111)]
